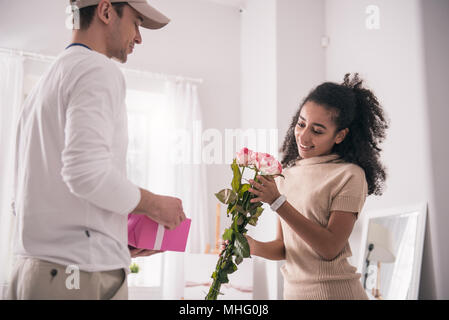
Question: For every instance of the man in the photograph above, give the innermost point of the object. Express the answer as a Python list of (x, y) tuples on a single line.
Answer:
[(72, 197)]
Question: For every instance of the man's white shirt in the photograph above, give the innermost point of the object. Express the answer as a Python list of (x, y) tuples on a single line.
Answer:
[(72, 196)]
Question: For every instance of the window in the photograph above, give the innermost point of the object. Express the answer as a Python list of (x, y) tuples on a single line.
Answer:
[(149, 124)]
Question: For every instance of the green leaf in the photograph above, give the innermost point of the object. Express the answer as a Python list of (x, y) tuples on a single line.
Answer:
[(237, 178), (247, 196), (255, 205), (238, 260), (228, 267), (241, 245), (254, 208), (253, 221), (134, 268), (259, 211), (227, 234), (223, 277), (240, 209), (234, 225), (232, 268), (226, 196), (232, 209), (238, 221), (244, 188), (255, 217)]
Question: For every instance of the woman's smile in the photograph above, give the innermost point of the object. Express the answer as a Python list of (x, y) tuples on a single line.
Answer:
[(305, 148)]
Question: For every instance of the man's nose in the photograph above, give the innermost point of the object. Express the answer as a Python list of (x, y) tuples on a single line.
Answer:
[(138, 38)]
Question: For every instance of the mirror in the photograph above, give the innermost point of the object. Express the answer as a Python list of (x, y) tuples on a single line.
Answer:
[(391, 252)]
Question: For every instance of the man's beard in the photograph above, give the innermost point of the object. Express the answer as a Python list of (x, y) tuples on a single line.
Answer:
[(121, 56), (116, 51)]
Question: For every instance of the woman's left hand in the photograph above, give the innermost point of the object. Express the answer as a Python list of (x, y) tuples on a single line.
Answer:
[(265, 190)]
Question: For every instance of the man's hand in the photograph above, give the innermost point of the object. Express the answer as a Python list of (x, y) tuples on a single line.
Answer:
[(162, 209), (136, 252)]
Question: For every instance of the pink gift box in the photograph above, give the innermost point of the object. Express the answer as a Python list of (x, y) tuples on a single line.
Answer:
[(144, 233)]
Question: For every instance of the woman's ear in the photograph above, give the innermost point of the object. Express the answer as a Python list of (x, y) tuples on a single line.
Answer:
[(341, 135)]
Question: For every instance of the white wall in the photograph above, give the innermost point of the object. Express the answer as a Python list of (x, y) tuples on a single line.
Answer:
[(435, 24), (387, 58), (391, 59), (258, 67), (300, 56), (258, 93), (258, 101), (280, 65)]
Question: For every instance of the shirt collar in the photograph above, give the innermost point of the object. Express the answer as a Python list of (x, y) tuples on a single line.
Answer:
[(319, 159), (78, 44)]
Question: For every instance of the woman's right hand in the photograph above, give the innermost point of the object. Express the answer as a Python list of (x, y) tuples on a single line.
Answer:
[(252, 245), (251, 242)]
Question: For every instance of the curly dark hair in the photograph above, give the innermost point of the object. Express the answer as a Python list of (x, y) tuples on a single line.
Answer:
[(356, 108)]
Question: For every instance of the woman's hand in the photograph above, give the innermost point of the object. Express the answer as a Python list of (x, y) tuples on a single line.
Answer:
[(265, 190), (252, 245), (251, 242)]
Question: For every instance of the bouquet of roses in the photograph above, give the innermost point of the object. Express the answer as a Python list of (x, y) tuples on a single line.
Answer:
[(242, 211)]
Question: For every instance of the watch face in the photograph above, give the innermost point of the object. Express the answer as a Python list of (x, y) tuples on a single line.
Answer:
[(372, 277)]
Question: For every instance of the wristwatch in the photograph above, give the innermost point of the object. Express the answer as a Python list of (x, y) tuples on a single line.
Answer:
[(278, 202)]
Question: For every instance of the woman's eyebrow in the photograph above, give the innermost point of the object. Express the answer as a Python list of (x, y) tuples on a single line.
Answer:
[(314, 123)]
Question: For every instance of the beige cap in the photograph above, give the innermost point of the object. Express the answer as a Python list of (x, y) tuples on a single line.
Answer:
[(152, 18)]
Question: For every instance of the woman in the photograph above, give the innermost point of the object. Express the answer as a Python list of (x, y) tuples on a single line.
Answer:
[(331, 155)]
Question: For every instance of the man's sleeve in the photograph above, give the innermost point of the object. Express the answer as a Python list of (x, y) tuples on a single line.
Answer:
[(87, 168)]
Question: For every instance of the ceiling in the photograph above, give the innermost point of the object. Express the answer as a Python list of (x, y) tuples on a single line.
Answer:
[(232, 3)]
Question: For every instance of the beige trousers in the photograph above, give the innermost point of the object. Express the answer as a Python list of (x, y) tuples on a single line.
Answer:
[(35, 279)]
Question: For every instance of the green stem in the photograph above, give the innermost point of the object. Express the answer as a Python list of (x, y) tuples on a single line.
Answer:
[(226, 254), (214, 290), (240, 182), (257, 173)]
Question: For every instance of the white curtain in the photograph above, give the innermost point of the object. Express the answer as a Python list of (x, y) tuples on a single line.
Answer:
[(190, 179), (11, 95)]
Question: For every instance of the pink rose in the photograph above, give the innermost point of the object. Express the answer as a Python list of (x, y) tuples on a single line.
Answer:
[(246, 157), (267, 164)]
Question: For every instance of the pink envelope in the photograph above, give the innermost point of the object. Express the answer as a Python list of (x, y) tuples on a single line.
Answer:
[(144, 233)]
